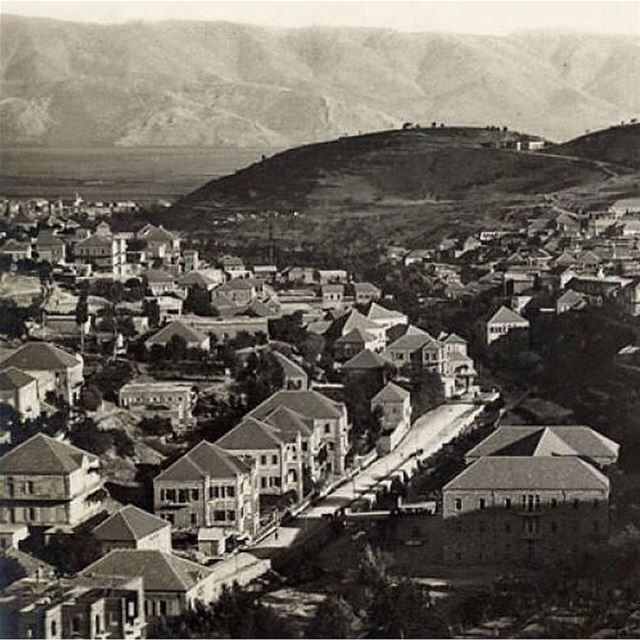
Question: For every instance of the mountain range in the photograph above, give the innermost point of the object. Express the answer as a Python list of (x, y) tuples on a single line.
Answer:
[(236, 85)]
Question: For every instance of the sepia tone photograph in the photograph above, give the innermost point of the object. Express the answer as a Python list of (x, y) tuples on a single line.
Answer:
[(319, 319)]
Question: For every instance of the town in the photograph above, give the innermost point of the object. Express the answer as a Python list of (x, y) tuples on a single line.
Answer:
[(194, 438)]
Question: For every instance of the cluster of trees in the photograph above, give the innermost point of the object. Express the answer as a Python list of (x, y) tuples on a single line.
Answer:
[(260, 377), (198, 301), (88, 436)]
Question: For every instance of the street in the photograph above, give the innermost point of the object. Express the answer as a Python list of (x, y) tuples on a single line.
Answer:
[(428, 433)]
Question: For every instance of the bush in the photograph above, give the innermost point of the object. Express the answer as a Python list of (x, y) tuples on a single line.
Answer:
[(90, 398)]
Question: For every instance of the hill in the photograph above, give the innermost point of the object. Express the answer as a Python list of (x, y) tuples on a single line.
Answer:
[(386, 172), (618, 145), (229, 85)]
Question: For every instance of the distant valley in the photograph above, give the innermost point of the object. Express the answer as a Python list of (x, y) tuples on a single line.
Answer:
[(223, 85)]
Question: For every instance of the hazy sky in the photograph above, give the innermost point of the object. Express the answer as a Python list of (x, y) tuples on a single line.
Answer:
[(463, 17)]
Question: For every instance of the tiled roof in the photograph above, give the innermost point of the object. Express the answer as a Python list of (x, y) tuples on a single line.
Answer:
[(153, 276), (307, 403), (158, 233), (524, 472), (288, 422), (177, 328), (504, 315), (42, 454), (366, 359), (366, 287), (378, 312), (12, 378), (205, 460), (391, 392), (290, 368), (129, 524), (410, 342), (574, 440), (571, 297), (40, 356), (251, 434), (454, 338), (236, 284), (355, 320), (160, 571), (357, 335)]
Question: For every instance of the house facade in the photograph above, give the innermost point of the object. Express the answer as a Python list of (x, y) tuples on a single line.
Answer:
[(171, 400), (46, 482)]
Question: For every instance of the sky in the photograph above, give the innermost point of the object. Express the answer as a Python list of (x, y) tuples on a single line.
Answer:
[(478, 16)]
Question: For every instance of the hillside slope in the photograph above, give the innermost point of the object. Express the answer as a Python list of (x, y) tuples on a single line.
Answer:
[(223, 84), (386, 172), (619, 145)]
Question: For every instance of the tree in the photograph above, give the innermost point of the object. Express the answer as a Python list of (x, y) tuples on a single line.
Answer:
[(10, 571), (90, 398), (156, 426), (86, 435), (428, 392), (12, 319), (334, 618), (199, 302), (152, 310), (312, 347), (82, 314), (71, 553)]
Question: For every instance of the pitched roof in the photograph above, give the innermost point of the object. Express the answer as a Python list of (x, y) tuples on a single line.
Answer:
[(391, 392), (366, 287), (504, 315), (12, 378), (288, 422), (161, 571), (289, 367), (574, 440), (236, 284), (158, 275), (307, 403), (357, 335), (410, 342), (251, 434), (366, 359), (158, 233), (571, 297), (40, 356), (454, 338), (205, 460), (378, 312), (177, 328), (42, 454), (524, 472), (129, 524)]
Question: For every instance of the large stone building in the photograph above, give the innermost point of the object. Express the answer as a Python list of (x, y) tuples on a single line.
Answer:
[(20, 391), (45, 482), (208, 487), (171, 400)]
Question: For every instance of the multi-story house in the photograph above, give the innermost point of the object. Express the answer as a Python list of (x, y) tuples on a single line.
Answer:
[(159, 243), (234, 267), (20, 391), (332, 276), (172, 400), (161, 283), (92, 607), (133, 528), (190, 260), (332, 296), (104, 251), (277, 453), (395, 404), (16, 250), (46, 482), (506, 322), (371, 332), (356, 340), (365, 292), (50, 247), (173, 585), (524, 509), (56, 371), (208, 487), (240, 291), (328, 444)]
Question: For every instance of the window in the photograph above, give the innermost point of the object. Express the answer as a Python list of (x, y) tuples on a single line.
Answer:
[(163, 607), (54, 628), (194, 519), (214, 492), (195, 494), (276, 481), (183, 495), (75, 624), (219, 516), (327, 428), (28, 487), (231, 516), (304, 446), (458, 504), (231, 492), (31, 516), (482, 503), (507, 503), (98, 624), (274, 459), (263, 460)]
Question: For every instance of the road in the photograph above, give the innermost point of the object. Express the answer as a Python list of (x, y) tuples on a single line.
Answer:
[(428, 433)]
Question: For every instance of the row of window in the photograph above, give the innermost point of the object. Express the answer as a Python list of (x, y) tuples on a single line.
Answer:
[(183, 496), (528, 502), (273, 481), (532, 526)]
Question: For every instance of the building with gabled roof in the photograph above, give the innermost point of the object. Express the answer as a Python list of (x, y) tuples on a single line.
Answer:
[(365, 292), (209, 486), (351, 343), (570, 440), (571, 300), (328, 445), (56, 370), (20, 391), (294, 376), (394, 402), (278, 454), (47, 482), (503, 322), (194, 339), (133, 528), (384, 317)]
